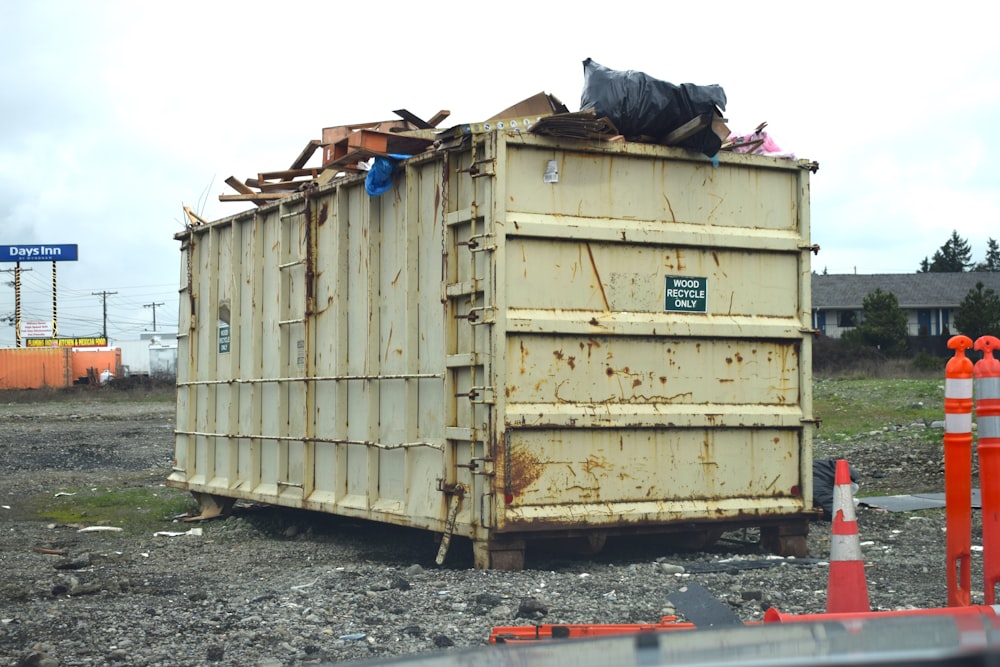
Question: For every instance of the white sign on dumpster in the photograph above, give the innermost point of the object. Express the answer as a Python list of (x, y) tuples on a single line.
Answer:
[(36, 329)]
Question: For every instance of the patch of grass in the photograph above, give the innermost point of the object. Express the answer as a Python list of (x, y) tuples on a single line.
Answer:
[(853, 406), (137, 510), (158, 391)]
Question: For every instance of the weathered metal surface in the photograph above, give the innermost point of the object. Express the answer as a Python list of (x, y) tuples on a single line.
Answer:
[(624, 348)]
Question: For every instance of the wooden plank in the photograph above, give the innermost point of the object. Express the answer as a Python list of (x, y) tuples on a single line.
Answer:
[(366, 143), (246, 194), (688, 129), (278, 186), (237, 185), (436, 119), (284, 174), (193, 218), (256, 197), (306, 153), (413, 119), (420, 123), (332, 135)]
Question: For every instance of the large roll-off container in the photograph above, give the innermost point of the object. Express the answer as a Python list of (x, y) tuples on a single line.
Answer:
[(525, 338)]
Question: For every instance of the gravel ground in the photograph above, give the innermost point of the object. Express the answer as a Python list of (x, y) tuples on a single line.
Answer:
[(274, 587)]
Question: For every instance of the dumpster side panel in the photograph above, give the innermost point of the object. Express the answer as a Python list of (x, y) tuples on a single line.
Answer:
[(656, 339), (313, 372)]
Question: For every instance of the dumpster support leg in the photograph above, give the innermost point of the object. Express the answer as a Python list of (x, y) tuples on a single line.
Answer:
[(456, 500), (786, 539)]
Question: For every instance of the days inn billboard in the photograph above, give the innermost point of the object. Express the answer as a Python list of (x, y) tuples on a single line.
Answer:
[(38, 253)]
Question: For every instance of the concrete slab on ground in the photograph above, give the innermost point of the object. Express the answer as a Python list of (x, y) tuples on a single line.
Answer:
[(917, 501)]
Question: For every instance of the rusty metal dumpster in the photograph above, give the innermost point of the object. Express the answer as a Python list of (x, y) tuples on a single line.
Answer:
[(525, 338)]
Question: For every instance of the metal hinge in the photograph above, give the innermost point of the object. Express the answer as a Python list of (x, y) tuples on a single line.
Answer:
[(483, 394), (476, 171), (473, 315), (473, 244)]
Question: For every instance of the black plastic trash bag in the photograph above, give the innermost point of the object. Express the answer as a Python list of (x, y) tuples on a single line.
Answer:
[(824, 479), (640, 105)]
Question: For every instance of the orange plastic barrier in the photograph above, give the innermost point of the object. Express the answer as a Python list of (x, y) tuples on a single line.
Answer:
[(516, 633), (958, 470), (987, 374), (772, 615)]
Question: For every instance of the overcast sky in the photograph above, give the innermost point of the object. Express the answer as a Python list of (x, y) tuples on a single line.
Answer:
[(116, 114)]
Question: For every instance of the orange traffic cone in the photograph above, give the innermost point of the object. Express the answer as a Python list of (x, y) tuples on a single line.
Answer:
[(847, 590)]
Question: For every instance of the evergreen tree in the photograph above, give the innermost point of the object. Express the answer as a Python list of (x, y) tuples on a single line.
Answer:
[(979, 313), (992, 262), (953, 257), (883, 324)]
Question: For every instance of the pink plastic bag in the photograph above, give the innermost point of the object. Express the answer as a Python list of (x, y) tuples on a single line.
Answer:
[(757, 142)]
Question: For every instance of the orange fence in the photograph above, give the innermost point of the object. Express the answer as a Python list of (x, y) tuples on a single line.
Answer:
[(35, 368)]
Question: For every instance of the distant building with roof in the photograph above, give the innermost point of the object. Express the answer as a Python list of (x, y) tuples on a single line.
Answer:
[(929, 299)]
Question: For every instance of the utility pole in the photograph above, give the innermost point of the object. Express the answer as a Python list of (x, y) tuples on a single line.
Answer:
[(104, 295), (153, 306), (17, 270)]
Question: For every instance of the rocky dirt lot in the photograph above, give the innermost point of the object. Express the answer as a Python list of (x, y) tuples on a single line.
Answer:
[(276, 587)]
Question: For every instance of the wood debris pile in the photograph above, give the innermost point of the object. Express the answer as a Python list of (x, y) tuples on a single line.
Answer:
[(346, 149)]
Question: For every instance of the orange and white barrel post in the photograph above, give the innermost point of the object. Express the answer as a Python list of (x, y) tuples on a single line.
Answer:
[(958, 470), (987, 374)]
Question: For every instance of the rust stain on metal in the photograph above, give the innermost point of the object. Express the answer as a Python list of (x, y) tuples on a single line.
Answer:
[(395, 278), (571, 362), (310, 258), (663, 379), (589, 345), (636, 382), (593, 463), (525, 469), (524, 358), (324, 213), (597, 274), (558, 354), (711, 214), (673, 216), (715, 258), (609, 371)]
